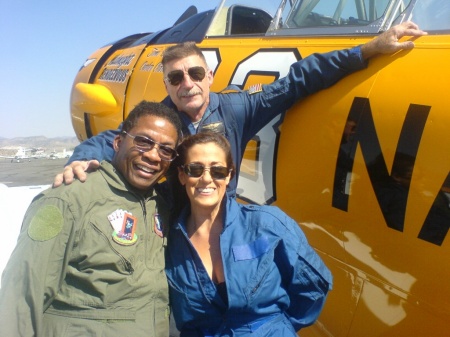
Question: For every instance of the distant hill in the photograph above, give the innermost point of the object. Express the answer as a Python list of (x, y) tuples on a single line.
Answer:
[(9, 146)]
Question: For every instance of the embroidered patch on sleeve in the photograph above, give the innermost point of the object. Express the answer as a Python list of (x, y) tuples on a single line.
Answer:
[(46, 224), (255, 88)]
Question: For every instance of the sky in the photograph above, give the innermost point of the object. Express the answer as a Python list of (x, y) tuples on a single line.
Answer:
[(44, 43)]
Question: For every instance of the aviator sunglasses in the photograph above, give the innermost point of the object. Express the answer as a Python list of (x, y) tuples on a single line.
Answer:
[(197, 74), (145, 144), (197, 170)]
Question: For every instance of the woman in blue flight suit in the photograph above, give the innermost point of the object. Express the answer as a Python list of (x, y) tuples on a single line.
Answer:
[(237, 269)]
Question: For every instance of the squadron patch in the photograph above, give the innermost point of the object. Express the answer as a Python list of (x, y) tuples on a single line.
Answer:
[(46, 223), (116, 219), (124, 225), (255, 89), (158, 225)]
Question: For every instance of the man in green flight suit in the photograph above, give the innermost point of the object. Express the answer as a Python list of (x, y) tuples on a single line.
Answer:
[(89, 260)]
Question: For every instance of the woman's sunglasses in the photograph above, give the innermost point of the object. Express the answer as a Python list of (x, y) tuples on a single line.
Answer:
[(197, 74), (197, 170)]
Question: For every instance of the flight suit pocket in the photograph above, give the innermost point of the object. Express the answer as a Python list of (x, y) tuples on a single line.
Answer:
[(179, 302), (93, 323), (103, 249), (255, 259)]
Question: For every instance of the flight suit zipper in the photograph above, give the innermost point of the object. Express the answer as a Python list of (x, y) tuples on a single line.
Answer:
[(128, 267)]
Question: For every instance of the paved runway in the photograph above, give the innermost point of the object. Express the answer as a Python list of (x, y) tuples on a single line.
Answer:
[(29, 173)]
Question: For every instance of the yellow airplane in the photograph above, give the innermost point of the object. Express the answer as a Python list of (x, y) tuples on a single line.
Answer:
[(364, 166)]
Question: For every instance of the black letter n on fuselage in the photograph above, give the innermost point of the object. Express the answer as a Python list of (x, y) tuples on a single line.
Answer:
[(392, 189)]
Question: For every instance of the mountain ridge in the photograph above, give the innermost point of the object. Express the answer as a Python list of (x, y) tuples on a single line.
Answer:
[(9, 146)]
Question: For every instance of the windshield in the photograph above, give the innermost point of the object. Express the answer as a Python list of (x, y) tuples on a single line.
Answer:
[(432, 14), (325, 17), (314, 13), (361, 16)]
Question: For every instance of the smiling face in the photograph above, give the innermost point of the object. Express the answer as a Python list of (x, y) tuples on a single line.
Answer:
[(189, 96), (204, 192), (143, 169)]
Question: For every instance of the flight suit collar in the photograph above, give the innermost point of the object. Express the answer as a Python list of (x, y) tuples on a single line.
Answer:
[(188, 128), (115, 179)]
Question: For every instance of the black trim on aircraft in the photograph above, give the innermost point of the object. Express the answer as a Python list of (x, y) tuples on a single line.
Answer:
[(392, 189)]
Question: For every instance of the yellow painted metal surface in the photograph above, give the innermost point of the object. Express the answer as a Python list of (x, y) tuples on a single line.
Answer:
[(391, 283)]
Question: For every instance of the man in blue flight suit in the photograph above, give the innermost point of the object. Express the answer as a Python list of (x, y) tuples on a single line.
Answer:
[(239, 115)]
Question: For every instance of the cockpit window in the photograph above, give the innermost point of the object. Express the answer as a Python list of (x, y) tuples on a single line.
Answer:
[(312, 17), (315, 13), (432, 15), (325, 17), (242, 17), (346, 13)]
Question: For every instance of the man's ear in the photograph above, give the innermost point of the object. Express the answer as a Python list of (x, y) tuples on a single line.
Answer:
[(117, 142), (210, 77)]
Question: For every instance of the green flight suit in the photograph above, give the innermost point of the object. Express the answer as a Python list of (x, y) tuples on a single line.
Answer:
[(68, 275)]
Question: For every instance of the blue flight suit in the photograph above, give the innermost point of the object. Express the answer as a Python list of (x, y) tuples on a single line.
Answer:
[(275, 282), (240, 115)]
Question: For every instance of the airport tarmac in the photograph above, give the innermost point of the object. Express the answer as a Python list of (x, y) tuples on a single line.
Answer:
[(29, 173)]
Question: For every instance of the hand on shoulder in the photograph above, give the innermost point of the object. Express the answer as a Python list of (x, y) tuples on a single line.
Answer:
[(76, 169)]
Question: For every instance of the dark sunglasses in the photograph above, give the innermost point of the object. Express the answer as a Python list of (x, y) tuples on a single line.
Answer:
[(145, 144), (197, 170), (197, 74)]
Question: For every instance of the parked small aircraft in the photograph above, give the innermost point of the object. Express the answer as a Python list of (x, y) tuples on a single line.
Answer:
[(63, 154), (26, 154), (362, 166), (20, 156), (37, 153)]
